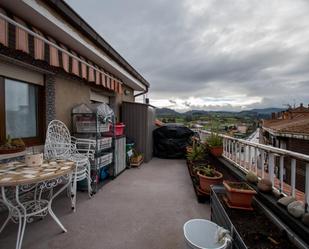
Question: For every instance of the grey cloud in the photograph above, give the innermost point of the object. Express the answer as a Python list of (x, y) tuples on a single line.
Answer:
[(220, 49)]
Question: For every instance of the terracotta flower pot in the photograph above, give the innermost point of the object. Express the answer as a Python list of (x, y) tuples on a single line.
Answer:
[(239, 194), (136, 161), (216, 150), (206, 181)]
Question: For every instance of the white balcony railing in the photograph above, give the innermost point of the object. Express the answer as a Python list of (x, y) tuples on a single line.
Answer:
[(268, 162)]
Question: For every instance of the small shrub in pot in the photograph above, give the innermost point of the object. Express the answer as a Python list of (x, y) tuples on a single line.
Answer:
[(196, 153), (215, 143), (209, 176)]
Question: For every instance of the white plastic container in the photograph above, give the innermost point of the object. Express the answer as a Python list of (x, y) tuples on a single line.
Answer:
[(202, 234), (34, 160)]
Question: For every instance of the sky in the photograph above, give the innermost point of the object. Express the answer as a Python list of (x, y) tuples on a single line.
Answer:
[(210, 54)]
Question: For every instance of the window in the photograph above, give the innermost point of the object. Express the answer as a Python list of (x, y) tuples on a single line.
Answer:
[(20, 108)]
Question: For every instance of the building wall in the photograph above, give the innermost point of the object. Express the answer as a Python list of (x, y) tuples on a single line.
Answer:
[(69, 93), (300, 146), (292, 144), (116, 102), (20, 73), (63, 93)]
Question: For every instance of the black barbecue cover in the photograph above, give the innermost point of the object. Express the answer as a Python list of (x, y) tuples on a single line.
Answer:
[(170, 141)]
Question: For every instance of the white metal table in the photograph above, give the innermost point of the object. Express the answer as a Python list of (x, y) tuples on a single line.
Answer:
[(16, 179)]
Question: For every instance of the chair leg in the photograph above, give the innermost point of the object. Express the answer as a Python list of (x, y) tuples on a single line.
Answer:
[(89, 180), (69, 191), (74, 191)]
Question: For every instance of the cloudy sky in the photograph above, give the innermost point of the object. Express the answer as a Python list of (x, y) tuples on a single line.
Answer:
[(210, 54)]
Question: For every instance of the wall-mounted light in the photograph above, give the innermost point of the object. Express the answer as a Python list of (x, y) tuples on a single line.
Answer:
[(127, 92)]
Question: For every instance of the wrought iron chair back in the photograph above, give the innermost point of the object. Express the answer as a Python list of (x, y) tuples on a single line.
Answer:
[(58, 144)]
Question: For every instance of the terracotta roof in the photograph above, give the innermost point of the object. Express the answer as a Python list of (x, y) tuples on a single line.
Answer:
[(299, 124)]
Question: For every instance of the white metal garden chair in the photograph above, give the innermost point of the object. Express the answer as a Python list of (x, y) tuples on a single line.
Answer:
[(59, 144)]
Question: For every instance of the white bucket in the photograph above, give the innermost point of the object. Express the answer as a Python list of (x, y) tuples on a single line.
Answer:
[(202, 234)]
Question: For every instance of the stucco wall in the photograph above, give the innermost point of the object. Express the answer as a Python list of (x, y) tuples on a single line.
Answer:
[(20, 73), (118, 99), (128, 97), (69, 93)]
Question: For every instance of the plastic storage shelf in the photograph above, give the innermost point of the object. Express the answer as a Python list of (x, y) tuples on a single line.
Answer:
[(104, 160), (88, 125)]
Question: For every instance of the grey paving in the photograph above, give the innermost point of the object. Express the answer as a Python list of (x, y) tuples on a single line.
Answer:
[(142, 208)]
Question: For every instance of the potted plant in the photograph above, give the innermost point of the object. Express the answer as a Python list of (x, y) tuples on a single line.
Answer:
[(195, 156), (12, 146), (215, 144), (196, 153), (136, 159), (239, 194), (188, 149), (208, 176)]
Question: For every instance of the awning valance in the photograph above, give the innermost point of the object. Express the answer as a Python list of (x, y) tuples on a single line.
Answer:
[(45, 48)]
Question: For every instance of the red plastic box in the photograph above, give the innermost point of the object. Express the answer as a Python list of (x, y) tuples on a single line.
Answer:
[(119, 129)]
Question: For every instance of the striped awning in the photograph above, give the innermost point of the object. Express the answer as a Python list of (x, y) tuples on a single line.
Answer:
[(16, 34)]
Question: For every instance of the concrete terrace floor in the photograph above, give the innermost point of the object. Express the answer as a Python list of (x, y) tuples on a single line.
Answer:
[(142, 208)]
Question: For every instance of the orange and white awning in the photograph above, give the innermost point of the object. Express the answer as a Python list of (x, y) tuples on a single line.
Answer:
[(16, 34)]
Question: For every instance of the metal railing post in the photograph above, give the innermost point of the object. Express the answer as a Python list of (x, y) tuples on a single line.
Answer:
[(307, 187), (256, 153), (293, 176), (262, 163), (239, 153), (271, 164), (250, 158), (281, 173)]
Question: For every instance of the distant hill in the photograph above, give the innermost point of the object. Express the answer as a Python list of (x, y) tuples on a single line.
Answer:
[(267, 110), (259, 113), (164, 112)]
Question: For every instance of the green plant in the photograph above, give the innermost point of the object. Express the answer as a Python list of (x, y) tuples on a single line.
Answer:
[(207, 171), (136, 154), (12, 144), (214, 140), (8, 141), (198, 167), (197, 153)]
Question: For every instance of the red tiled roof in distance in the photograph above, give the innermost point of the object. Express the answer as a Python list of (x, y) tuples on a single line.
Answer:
[(293, 121)]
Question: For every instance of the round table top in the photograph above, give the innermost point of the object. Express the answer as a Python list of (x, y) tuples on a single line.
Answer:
[(18, 173)]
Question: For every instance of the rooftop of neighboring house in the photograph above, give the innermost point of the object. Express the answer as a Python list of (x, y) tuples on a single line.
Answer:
[(292, 121)]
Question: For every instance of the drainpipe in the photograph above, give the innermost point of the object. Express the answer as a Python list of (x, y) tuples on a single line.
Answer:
[(143, 92)]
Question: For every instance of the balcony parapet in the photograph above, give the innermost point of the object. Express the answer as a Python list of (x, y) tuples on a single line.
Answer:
[(267, 162)]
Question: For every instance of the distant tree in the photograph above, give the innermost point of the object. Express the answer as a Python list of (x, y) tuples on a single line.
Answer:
[(188, 118), (164, 120)]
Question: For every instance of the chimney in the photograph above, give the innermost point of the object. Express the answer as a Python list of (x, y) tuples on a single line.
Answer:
[(301, 105), (279, 115), (273, 115)]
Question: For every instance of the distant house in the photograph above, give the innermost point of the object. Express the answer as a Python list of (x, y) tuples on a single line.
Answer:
[(197, 126), (242, 128), (289, 130)]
